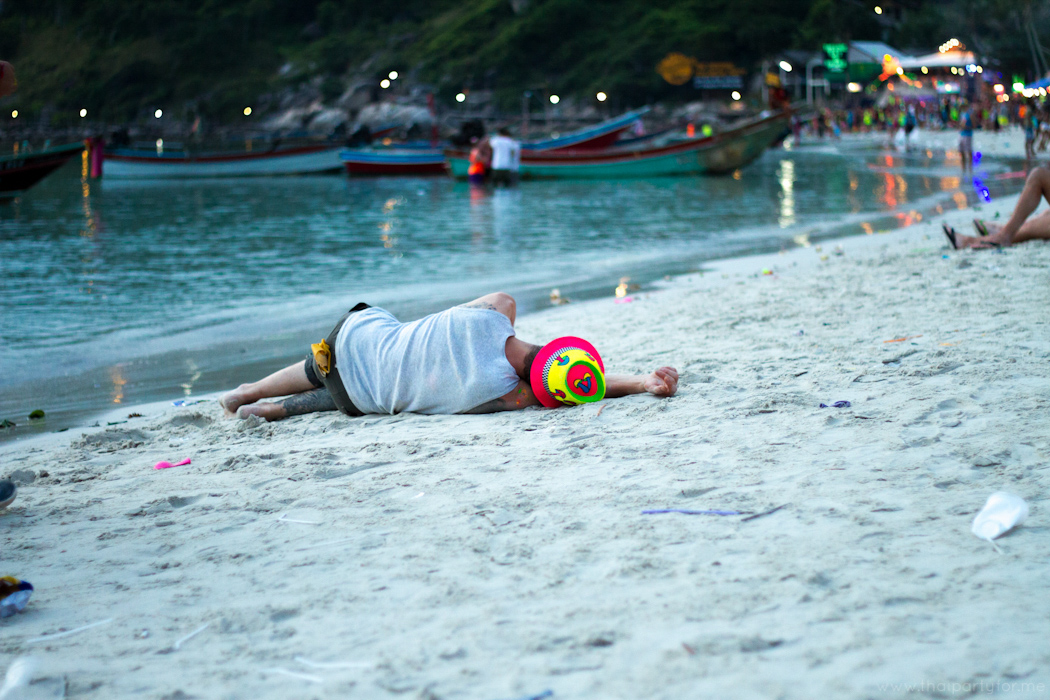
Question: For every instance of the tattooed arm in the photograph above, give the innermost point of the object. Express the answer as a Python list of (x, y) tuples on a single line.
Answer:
[(521, 397), (308, 402)]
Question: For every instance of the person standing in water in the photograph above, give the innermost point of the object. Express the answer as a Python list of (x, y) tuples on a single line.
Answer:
[(966, 138), (506, 158)]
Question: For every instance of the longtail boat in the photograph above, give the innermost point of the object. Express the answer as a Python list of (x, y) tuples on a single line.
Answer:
[(302, 160), (430, 160), (20, 171), (720, 153)]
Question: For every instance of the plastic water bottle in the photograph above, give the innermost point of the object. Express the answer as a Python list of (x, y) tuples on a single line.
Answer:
[(1002, 512)]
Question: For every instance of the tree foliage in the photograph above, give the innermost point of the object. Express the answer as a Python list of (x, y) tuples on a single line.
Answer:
[(123, 58)]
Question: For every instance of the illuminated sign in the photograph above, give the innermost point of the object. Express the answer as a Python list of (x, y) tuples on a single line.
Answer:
[(678, 69), (835, 58)]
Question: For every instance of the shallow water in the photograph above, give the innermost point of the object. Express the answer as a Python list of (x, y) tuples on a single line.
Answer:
[(125, 292)]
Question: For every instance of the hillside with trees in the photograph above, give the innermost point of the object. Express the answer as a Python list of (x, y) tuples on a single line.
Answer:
[(121, 58)]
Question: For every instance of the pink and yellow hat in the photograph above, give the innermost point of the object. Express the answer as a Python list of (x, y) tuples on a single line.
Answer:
[(567, 371)]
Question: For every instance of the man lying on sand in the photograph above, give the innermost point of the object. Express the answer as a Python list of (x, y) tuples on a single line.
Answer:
[(463, 360), (1017, 229)]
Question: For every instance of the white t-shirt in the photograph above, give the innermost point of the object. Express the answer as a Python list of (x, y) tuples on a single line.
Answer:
[(506, 153), (448, 362)]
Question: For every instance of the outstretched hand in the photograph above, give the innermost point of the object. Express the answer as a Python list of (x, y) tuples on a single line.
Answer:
[(662, 382)]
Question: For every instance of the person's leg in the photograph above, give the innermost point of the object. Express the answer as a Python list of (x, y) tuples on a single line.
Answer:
[(1036, 187), (1036, 228), (290, 380), (497, 301)]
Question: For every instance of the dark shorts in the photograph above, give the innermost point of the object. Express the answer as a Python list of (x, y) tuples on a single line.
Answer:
[(332, 381), (503, 177)]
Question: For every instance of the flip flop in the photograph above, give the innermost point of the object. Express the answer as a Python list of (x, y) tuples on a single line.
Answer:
[(8, 490), (950, 233), (981, 228)]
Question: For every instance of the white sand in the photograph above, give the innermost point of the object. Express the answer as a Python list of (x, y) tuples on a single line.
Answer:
[(485, 557)]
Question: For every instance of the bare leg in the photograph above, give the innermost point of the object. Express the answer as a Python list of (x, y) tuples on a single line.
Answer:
[(1036, 187), (1036, 228), (290, 380)]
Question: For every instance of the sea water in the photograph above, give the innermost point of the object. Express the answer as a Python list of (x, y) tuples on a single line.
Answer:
[(122, 292)]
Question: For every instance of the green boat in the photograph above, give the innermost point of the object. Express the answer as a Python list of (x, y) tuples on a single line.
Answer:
[(720, 153)]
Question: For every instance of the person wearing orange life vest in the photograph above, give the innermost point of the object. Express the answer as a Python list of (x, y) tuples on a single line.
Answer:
[(480, 159)]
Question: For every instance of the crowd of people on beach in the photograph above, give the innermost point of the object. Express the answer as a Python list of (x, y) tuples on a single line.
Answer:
[(944, 114)]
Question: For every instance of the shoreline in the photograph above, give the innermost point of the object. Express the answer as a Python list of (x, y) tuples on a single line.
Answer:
[(70, 406), (393, 555)]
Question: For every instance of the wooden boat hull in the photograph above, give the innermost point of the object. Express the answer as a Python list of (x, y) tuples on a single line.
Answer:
[(367, 161), (307, 160), (431, 160), (721, 153), (20, 172), (598, 136)]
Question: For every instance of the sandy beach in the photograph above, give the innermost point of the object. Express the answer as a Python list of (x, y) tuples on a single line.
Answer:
[(501, 556)]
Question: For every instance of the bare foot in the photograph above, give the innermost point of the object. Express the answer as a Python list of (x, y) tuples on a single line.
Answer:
[(233, 400), (269, 411), (662, 382)]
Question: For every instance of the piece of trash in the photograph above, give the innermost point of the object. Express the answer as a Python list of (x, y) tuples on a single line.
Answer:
[(295, 674), (6, 423), (36, 415), (283, 519), (14, 595), (178, 644), (539, 696), (800, 331), (824, 258), (945, 257), (333, 664), (116, 422), (621, 289), (134, 415), (901, 340), (691, 512), (557, 299), (763, 514), (8, 491), (838, 250), (623, 300), (837, 404), (168, 465), (187, 402), (67, 633), (766, 271), (1003, 512), (19, 675)]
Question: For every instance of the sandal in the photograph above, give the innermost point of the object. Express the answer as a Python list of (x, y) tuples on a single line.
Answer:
[(950, 233), (982, 229)]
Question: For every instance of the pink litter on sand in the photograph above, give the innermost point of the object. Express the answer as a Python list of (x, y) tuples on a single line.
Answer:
[(168, 465), (623, 300)]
